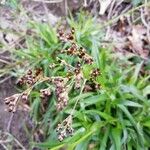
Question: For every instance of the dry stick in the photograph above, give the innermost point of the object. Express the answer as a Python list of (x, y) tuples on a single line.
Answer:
[(108, 17), (10, 135), (47, 13), (117, 5), (5, 79), (23, 148), (129, 12), (11, 46), (4, 61), (129, 20), (126, 9), (111, 10), (85, 3), (49, 1), (145, 24), (9, 122), (4, 146), (66, 7)]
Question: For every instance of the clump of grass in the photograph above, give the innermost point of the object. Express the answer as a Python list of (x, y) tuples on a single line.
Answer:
[(102, 98)]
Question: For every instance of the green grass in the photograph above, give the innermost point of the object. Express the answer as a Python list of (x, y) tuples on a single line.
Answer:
[(116, 117)]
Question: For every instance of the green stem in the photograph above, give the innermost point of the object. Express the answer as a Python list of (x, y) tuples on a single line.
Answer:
[(78, 98)]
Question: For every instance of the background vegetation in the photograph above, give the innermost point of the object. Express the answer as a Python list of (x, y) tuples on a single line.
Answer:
[(114, 117)]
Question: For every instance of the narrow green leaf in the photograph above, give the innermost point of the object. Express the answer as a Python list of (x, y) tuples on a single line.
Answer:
[(134, 123), (101, 114), (136, 73), (103, 144), (116, 135), (131, 104)]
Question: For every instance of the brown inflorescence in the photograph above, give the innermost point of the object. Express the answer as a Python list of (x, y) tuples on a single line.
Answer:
[(12, 102), (95, 72), (65, 129), (30, 77), (78, 78), (75, 72), (44, 93), (74, 49), (65, 37), (24, 97), (61, 93)]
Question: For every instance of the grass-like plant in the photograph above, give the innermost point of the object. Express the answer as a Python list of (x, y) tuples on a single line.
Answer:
[(82, 90)]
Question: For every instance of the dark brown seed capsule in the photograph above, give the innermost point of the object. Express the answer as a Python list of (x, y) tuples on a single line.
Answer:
[(72, 30), (97, 86), (77, 71), (29, 72), (24, 96)]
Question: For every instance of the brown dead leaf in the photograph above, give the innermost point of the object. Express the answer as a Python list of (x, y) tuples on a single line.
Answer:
[(136, 40)]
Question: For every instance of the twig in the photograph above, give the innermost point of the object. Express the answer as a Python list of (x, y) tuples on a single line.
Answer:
[(23, 148), (111, 10), (5, 79), (10, 46), (66, 7), (85, 3), (129, 20), (4, 146), (108, 17), (127, 13), (4, 61), (9, 122), (49, 1), (147, 25)]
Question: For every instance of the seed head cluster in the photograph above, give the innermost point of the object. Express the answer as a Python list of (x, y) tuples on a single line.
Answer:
[(74, 72), (11, 102), (79, 52), (44, 93), (65, 129), (24, 97), (65, 37), (95, 72), (61, 93), (74, 49), (78, 76), (30, 78)]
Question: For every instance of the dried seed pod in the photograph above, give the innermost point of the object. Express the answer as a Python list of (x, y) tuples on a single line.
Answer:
[(81, 52), (65, 128), (69, 36), (95, 73), (87, 88), (38, 71), (77, 71), (78, 79), (45, 93), (97, 86), (24, 97), (11, 102), (88, 59), (61, 93), (21, 81), (30, 77), (72, 50), (60, 32), (78, 65), (29, 72), (52, 66)]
